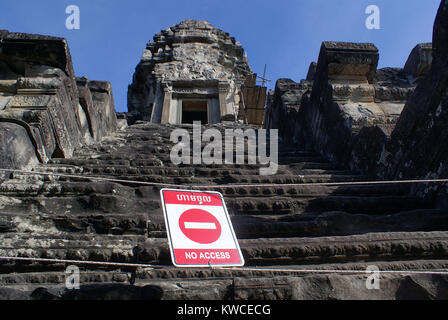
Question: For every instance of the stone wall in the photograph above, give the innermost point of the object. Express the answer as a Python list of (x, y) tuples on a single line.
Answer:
[(389, 122), (417, 147), (283, 108), (344, 101), (44, 111), (343, 94)]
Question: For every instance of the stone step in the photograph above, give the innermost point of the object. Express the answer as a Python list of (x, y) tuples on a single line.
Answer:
[(351, 204), (276, 224), (336, 223), (20, 241), (20, 187), (83, 161), (63, 246), (181, 176), (398, 246), (297, 161), (317, 191), (290, 251), (74, 198), (105, 203), (171, 274), (146, 159), (164, 148), (72, 188), (242, 284), (64, 188), (252, 181), (89, 222), (165, 171)]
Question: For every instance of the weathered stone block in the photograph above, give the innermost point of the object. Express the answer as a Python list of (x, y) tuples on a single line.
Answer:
[(16, 149), (38, 91), (416, 147), (284, 106), (311, 71), (368, 148), (96, 102), (420, 60), (344, 60)]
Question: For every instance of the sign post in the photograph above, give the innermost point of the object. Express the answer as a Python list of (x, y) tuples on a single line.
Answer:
[(199, 229)]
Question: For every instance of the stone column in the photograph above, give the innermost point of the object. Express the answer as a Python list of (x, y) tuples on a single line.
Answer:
[(223, 91), (175, 111), (156, 115), (214, 111), (166, 104)]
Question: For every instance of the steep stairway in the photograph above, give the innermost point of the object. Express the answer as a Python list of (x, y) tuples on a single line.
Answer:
[(288, 220)]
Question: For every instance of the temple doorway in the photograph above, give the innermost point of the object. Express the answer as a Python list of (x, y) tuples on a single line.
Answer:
[(194, 110)]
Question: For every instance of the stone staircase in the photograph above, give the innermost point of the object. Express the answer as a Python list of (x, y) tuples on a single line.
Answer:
[(53, 213)]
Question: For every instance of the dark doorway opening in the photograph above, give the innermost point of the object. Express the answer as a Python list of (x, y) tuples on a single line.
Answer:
[(58, 153), (194, 110)]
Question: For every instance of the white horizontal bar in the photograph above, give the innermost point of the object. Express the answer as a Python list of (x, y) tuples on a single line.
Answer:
[(200, 225)]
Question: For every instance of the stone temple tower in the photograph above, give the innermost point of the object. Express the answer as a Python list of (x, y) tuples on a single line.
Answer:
[(192, 71)]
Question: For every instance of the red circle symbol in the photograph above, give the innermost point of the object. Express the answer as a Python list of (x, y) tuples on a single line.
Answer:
[(200, 226)]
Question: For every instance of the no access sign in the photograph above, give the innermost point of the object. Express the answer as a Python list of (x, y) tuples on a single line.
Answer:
[(199, 229)]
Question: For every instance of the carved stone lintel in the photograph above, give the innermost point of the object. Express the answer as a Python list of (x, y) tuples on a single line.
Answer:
[(342, 59), (195, 91), (223, 87)]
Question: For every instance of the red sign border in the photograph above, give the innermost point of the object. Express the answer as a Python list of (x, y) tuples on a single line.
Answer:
[(173, 257)]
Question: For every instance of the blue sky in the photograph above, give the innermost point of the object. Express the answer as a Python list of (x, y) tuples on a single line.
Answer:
[(284, 34)]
